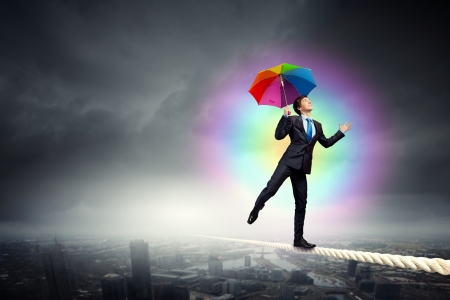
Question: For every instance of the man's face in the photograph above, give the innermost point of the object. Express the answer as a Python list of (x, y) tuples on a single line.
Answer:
[(305, 105)]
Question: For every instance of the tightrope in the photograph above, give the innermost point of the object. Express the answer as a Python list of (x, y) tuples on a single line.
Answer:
[(430, 265)]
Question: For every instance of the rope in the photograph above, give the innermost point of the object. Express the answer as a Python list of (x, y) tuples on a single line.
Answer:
[(430, 265)]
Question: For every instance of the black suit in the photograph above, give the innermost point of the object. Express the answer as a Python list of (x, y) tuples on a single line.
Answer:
[(295, 163)]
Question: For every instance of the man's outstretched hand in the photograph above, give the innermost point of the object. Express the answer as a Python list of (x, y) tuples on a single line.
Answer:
[(345, 127)]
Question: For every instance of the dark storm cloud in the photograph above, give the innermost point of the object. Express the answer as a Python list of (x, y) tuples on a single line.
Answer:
[(412, 79), (88, 85)]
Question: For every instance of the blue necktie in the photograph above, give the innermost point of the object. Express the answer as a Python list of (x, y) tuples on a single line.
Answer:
[(309, 129)]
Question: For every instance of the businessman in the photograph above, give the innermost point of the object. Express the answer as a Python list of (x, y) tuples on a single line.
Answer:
[(296, 161)]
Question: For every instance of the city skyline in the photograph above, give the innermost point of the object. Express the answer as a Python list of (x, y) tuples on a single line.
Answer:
[(102, 266)]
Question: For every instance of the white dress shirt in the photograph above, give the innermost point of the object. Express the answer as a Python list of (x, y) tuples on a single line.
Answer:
[(305, 125)]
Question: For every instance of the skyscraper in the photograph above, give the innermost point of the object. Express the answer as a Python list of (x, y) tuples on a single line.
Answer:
[(351, 270), (140, 269), (131, 293), (234, 287), (277, 274), (363, 272), (215, 266), (286, 292), (113, 287), (56, 273), (299, 276), (366, 286), (248, 261)]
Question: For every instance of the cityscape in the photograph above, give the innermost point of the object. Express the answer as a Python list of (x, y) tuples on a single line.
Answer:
[(196, 268)]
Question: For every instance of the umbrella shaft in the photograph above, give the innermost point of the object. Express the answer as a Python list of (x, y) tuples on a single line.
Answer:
[(284, 92), (281, 80)]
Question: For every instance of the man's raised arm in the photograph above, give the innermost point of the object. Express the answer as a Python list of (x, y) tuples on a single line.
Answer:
[(284, 125)]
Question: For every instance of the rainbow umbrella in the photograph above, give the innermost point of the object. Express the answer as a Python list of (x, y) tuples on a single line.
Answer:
[(284, 81)]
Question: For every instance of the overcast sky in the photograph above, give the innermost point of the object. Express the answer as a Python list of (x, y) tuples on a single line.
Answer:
[(101, 101)]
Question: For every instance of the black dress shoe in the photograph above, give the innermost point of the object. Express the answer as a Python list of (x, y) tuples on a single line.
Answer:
[(253, 215), (303, 243)]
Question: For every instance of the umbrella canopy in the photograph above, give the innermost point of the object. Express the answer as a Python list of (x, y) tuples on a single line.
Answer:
[(281, 85)]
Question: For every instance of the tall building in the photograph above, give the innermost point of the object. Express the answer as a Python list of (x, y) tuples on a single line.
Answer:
[(113, 287), (248, 261), (366, 286), (277, 274), (286, 292), (300, 276), (140, 269), (224, 287), (131, 293), (72, 276), (215, 266), (362, 272), (351, 270), (56, 273), (234, 287)]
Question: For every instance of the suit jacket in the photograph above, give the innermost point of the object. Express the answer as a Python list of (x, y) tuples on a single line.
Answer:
[(299, 153)]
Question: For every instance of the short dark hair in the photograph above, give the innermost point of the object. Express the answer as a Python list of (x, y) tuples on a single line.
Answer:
[(297, 104)]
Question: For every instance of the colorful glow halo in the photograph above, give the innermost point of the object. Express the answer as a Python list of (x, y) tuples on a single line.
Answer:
[(239, 148)]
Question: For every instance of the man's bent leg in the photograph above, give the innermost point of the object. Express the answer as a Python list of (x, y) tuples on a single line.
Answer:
[(279, 176)]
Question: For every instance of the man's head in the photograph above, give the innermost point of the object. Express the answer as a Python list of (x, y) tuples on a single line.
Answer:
[(302, 104)]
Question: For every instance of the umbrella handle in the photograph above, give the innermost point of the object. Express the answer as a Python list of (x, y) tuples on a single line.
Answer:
[(284, 92)]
